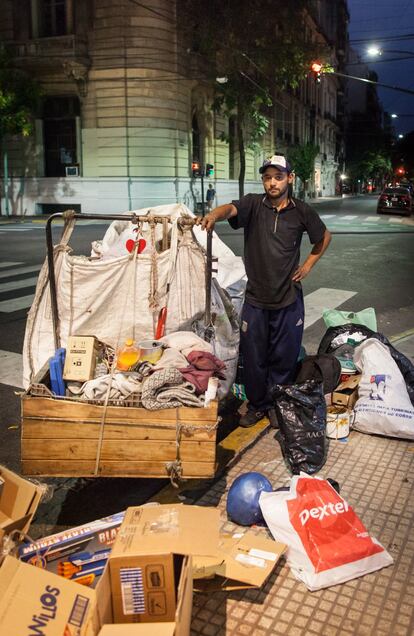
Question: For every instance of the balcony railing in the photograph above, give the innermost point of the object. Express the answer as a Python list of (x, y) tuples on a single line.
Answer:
[(67, 46)]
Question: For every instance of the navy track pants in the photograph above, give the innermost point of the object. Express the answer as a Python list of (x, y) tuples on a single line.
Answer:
[(270, 345)]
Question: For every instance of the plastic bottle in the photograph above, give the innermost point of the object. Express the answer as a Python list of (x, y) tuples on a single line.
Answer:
[(128, 356)]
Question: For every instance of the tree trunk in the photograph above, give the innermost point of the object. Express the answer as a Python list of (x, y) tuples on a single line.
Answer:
[(242, 150)]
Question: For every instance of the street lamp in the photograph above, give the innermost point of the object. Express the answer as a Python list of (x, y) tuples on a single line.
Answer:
[(400, 136), (394, 116), (374, 51)]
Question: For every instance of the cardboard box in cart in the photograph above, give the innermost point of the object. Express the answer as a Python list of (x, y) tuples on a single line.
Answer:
[(62, 438)]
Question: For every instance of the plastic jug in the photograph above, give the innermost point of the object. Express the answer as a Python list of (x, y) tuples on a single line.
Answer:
[(128, 356)]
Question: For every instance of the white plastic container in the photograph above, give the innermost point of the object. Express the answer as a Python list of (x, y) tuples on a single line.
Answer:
[(337, 423)]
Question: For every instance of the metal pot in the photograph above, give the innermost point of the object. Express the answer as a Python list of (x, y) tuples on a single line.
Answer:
[(150, 350)]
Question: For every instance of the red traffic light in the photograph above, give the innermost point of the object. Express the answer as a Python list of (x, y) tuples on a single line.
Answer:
[(401, 171), (316, 67), (195, 166)]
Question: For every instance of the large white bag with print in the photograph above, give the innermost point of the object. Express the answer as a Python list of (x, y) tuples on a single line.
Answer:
[(327, 542), (383, 406)]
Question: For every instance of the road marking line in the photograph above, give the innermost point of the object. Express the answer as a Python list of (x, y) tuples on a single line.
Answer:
[(11, 368), (349, 217), (323, 298), (399, 220), (15, 304), (16, 229), (5, 264), (327, 216), (373, 218), (18, 284), (22, 270)]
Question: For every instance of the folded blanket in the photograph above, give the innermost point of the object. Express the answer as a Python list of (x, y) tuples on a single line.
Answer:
[(166, 389)]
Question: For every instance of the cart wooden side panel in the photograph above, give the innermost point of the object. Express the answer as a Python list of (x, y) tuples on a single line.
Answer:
[(60, 438)]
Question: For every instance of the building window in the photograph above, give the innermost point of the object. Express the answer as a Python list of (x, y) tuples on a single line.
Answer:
[(59, 134), (51, 18)]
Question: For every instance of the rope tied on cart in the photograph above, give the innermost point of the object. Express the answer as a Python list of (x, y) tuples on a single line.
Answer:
[(175, 468)]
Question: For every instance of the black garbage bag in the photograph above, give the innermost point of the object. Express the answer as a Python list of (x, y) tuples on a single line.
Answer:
[(405, 365), (301, 414), (324, 367)]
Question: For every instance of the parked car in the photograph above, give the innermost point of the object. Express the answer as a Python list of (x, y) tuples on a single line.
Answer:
[(395, 199)]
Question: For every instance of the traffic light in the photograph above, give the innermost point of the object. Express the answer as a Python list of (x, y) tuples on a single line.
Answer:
[(196, 169), (316, 69), (209, 170)]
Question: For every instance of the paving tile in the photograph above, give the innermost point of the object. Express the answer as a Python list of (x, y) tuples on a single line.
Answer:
[(376, 476)]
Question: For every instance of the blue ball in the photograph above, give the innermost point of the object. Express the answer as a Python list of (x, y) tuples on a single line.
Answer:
[(243, 499)]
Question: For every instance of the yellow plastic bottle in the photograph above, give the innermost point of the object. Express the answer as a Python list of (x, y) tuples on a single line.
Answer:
[(128, 356)]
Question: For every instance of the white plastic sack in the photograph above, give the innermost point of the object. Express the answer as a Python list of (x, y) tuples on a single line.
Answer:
[(383, 406), (327, 542)]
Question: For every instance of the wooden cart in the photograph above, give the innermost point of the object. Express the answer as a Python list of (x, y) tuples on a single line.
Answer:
[(64, 437)]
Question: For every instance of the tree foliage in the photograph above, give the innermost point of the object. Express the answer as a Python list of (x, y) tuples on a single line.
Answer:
[(19, 98), (255, 49), (302, 158)]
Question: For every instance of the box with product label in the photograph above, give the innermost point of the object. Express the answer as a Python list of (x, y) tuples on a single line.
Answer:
[(147, 552), (35, 601), (81, 356), (346, 393), (79, 554), (19, 499)]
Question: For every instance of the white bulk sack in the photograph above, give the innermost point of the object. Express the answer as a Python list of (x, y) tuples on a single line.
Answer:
[(114, 296), (383, 406), (327, 542)]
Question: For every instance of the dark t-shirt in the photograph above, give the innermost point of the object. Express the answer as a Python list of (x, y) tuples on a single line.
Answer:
[(272, 247)]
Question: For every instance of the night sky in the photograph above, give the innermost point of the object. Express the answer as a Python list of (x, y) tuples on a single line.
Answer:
[(390, 26)]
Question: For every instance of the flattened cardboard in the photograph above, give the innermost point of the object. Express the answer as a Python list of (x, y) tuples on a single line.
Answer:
[(247, 561), (183, 529), (19, 499), (346, 393)]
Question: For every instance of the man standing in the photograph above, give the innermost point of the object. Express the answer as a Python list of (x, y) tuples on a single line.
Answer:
[(273, 312)]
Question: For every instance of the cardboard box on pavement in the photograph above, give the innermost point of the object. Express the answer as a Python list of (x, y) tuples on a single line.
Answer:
[(34, 602), (149, 546), (19, 499)]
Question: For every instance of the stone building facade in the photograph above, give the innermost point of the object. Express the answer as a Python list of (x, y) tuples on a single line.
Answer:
[(123, 115)]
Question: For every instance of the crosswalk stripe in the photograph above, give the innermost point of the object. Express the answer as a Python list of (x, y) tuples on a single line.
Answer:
[(323, 298), (11, 368), (18, 284), (372, 218), (15, 304), (327, 216), (22, 270), (349, 217), (395, 220), (4, 264)]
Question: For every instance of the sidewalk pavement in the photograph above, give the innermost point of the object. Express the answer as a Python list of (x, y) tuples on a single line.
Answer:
[(376, 476)]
